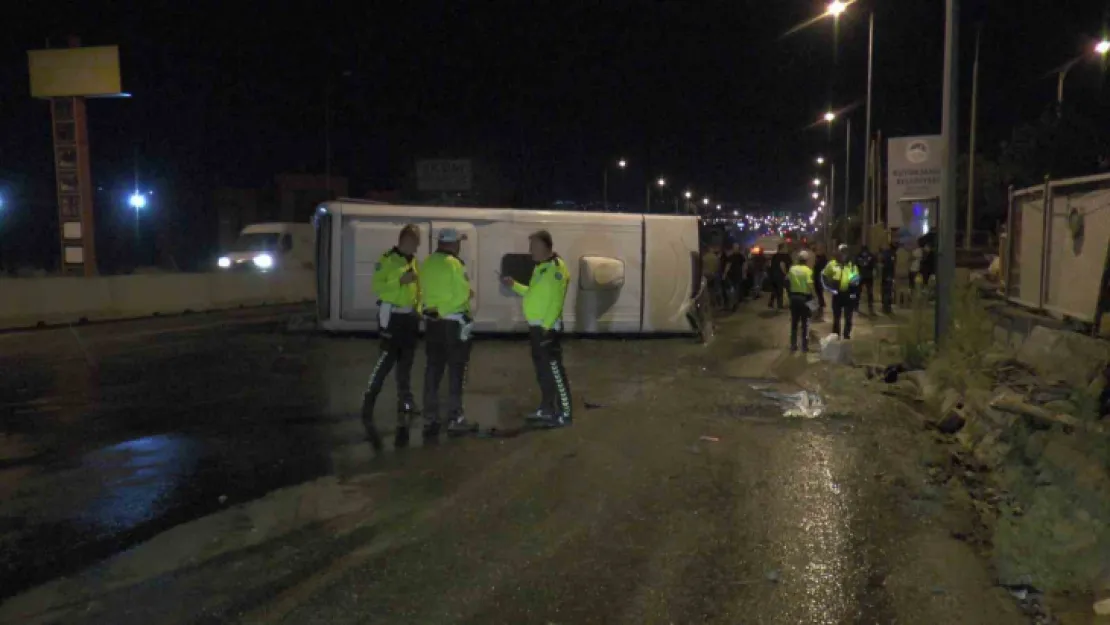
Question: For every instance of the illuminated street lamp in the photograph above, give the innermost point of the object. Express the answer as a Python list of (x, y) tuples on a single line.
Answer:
[(816, 182), (1102, 48), (820, 160), (688, 195), (836, 7), (830, 117), (815, 195), (705, 201), (137, 201), (661, 182)]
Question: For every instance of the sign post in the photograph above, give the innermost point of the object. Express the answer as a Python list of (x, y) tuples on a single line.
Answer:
[(915, 177), (66, 77)]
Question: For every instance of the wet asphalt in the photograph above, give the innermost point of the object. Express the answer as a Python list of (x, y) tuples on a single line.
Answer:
[(681, 495)]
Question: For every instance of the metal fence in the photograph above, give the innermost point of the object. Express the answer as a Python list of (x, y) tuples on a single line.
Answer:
[(1058, 238)]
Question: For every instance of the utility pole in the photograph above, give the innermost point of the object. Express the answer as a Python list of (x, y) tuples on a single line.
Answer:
[(830, 215), (946, 243), (971, 151), (847, 179), (327, 134), (865, 218)]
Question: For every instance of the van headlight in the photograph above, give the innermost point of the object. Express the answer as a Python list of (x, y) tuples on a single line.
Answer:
[(224, 262), (263, 261)]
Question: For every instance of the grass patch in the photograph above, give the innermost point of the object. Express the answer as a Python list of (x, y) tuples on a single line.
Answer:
[(965, 359)]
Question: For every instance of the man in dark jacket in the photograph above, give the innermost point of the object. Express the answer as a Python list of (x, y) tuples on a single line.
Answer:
[(821, 259), (865, 260), (780, 264), (889, 261)]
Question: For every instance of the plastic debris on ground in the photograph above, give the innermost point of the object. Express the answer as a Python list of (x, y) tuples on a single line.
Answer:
[(800, 404)]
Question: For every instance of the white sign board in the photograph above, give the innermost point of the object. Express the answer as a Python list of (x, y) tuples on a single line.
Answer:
[(915, 169), (443, 175)]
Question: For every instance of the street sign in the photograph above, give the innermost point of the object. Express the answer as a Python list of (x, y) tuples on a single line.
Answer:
[(444, 175), (915, 172)]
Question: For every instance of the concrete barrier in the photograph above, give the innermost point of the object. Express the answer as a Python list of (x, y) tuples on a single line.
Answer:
[(47, 301)]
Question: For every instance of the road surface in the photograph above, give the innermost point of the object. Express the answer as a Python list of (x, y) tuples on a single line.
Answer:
[(682, 494)]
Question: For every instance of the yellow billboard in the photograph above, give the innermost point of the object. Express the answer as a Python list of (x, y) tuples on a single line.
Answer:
[(64, 72)]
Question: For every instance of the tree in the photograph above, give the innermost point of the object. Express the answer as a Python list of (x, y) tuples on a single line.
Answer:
[(1060, 147)]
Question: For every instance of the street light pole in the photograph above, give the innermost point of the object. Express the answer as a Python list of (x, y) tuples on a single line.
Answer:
[(971, 151), (946, 244), (867, 200), (847, 177), (830, 215)]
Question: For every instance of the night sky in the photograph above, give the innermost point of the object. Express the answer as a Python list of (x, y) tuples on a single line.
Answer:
[(709, 94)]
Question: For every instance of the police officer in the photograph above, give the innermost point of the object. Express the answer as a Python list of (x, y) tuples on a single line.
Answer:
[(543, 308), (866, 261), (889, 261), (396, 283), (446, 291), (841, 280), (800, 283)]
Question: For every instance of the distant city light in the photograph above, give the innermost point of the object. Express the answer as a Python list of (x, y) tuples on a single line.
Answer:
[(137, 201)]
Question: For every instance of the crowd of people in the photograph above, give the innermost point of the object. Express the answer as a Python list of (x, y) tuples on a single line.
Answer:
[(805, 280)]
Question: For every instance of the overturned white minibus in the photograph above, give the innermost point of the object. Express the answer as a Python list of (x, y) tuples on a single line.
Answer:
[(630, 273)]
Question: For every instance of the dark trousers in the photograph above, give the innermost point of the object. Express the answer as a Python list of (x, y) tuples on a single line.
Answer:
[(843, 306), (398, 347), (888, 295), (777, 290), (446, 353), (737, 282), (799, 320), (547, 358), (820, 290), (867, 286)]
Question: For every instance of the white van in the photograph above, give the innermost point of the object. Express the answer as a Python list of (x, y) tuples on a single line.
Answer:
[(271, 247), (631, 273)]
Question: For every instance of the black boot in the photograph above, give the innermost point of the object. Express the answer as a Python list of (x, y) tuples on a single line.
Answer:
[(405, 411), (369, 398)]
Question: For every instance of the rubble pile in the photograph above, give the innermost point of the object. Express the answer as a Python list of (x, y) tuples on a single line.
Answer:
[(1039, 437)]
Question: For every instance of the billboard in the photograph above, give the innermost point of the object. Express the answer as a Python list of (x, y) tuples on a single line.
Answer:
[(915, 170), (444, 175), (67, 72)]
